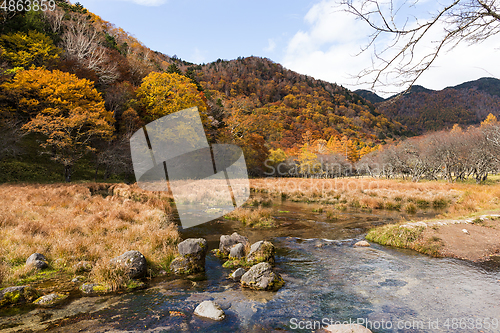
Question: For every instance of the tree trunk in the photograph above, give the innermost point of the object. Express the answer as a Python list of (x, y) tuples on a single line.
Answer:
[(67, 173)]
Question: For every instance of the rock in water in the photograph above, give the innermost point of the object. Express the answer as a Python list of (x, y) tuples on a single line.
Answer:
[(134, 263), (237, 251), (346, 328), (237, 274), (194, 247), (262, 277), (228, 241), (211, 310), (192, 259), (362, 244), (261, 251), (38, 260)]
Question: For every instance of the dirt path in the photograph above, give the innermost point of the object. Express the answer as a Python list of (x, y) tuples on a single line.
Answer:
[(471, 239)]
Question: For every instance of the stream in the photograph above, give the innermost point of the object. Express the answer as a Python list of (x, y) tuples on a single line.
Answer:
[(327, 281)]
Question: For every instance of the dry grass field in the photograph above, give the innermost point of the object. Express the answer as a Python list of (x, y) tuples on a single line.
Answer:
[(83, 222), (459, 199), (69, 223)]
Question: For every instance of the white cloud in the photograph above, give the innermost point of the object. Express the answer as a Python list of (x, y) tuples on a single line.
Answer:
[(327, 50), (271, 45), (197, 57)]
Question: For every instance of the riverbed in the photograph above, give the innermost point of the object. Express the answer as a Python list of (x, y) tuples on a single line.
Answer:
[(327, 279)]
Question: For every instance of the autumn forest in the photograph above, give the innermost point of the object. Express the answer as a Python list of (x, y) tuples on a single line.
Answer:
[(74, 88)]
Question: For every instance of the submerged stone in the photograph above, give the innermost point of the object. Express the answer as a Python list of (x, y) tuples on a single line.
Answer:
[(210, 310), (51, 299), (362, 244), (345, 328)]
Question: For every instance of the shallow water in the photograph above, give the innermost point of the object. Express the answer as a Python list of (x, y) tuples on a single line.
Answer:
[(327, 279)]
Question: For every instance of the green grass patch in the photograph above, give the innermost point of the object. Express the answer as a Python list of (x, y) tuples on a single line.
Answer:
[(395, 235)]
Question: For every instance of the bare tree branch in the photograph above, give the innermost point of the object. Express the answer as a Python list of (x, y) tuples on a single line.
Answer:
[(403, 59)]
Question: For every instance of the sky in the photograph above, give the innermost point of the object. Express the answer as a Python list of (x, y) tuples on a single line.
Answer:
[(310, 37)]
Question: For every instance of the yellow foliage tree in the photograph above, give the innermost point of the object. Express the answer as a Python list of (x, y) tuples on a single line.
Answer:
[(165, 93), (308, 161), (456, 128), (23, 50), (277, 156), (490, 120), (67, 110), (335, 145)]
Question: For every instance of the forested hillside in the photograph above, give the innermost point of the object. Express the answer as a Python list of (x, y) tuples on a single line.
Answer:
[(423, 110), (73, 88)]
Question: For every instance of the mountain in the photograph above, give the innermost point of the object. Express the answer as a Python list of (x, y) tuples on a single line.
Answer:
[(369, 96), (254, 89), (253, 102), (487, 85), (423, 110)]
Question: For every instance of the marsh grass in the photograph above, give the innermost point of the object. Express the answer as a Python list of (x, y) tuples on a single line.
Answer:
[(259, 218), (113, 277), (451, 199), (73, 223)]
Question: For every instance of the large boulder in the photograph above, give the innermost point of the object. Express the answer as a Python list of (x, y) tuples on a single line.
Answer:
[(262, 277), (134, 263), (37, 260), (237, 251), (211, 310), (51, 299), (192, 256), (228, 241), (261, 251), (17, 295)]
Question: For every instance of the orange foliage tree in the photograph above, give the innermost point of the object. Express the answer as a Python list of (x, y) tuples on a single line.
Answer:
[(68, 111)]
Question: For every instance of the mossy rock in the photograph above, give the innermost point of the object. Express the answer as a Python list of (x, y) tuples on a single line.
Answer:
[(262, 251), (93, 288), (235, 263), (219, 254), (51, 299), (187, 265), (262, 277), (136, 285), (17, 295)]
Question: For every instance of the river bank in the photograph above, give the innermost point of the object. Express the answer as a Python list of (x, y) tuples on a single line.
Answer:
[(475, 239), (325, 274)]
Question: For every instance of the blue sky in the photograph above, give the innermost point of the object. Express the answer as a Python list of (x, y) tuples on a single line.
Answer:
[(310, 37)]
